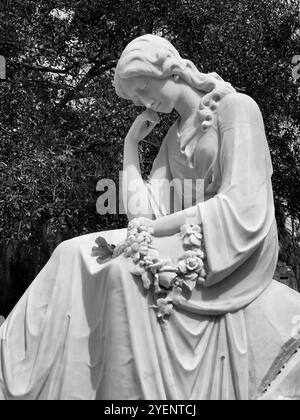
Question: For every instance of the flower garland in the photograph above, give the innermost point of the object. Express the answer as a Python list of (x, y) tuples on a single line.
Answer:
[(167, 279)]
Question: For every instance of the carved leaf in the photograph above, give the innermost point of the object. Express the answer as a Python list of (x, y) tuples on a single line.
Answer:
[(190, 284), (103, 251)]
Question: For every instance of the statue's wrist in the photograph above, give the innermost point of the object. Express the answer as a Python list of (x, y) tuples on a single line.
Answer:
[(131, 140)]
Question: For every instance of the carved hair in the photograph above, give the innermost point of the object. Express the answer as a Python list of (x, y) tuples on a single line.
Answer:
[(154, 56)]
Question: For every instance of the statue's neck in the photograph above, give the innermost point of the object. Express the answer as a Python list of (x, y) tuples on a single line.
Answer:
[(187, 103)]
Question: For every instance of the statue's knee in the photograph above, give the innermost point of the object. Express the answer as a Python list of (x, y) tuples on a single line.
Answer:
[(68, 247)]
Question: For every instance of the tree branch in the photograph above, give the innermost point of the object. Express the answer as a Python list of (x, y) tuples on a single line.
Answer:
[(94, 71), (149, 143)]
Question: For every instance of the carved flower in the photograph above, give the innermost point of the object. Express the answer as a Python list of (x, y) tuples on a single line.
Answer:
[(192, 235), (194, 264), (132, 232), (190, 261), (151, 258), (135, 246), (164, 308), (190, 228), (138, 239), (139, 224), (191, 269)]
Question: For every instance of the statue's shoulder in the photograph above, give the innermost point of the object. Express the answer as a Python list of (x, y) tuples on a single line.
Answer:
[(238, 106), (236, 99)]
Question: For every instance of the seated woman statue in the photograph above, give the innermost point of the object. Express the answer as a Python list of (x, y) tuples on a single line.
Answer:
[(184, 306)]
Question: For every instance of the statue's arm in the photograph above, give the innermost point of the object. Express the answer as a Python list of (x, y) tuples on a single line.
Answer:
[(135, 194), (237, 220)]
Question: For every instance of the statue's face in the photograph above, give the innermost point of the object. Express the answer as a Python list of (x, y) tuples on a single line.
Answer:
[(160, 95)]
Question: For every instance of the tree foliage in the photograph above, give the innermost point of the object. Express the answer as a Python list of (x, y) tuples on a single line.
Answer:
[(62, 126)]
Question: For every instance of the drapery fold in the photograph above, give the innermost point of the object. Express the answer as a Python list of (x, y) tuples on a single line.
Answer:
[(88, 331), (240, 216)]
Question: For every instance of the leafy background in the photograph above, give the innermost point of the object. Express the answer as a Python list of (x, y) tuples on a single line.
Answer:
[(62, 126)]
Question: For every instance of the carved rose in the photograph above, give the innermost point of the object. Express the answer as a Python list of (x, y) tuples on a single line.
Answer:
[(191, 268), (192, 235), (188, 228), (194, 264), (190, 261)]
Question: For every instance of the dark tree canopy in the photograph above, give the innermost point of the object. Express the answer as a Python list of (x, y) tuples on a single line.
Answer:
[(62, 126)]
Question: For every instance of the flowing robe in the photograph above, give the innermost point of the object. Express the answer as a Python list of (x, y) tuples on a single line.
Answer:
[(87, 331)]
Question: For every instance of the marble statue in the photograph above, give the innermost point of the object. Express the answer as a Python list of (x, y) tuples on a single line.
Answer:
[(182, 304)]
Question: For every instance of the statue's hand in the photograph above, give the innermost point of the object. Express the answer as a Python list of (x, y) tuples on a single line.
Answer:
[(143, 125)]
